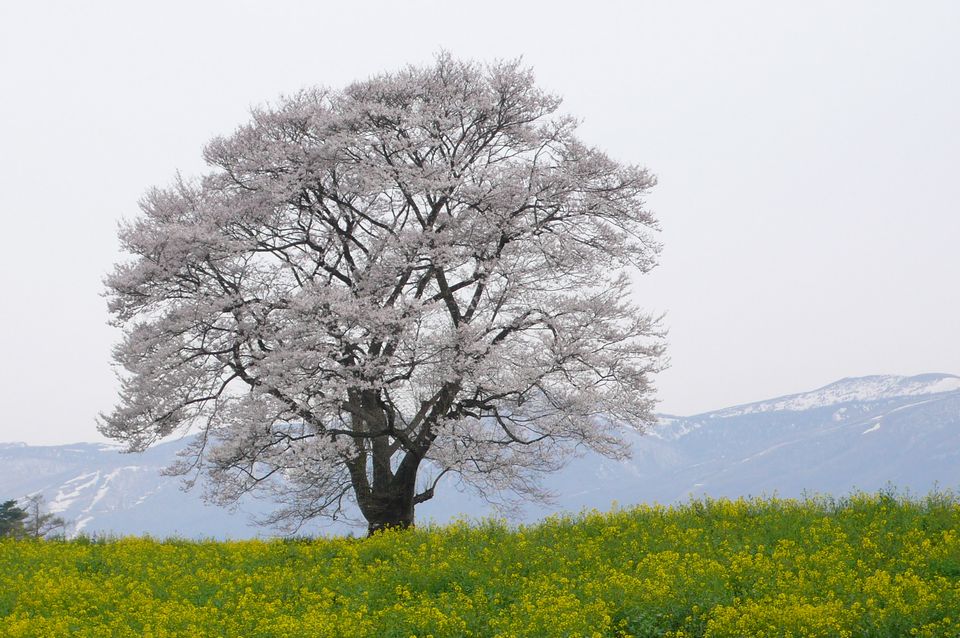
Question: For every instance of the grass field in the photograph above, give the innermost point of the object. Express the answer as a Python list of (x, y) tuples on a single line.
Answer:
[(867, 565)]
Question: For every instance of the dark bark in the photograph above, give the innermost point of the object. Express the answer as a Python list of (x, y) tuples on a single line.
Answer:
[(391, 507), (387, 497)]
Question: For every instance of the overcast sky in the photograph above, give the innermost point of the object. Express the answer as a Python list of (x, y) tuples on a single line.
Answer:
[(808, 158)]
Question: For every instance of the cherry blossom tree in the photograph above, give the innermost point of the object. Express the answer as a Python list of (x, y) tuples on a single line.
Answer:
[(423, 275)]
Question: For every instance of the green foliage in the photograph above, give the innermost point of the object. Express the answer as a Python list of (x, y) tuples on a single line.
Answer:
[(871, 566), (11, 519)]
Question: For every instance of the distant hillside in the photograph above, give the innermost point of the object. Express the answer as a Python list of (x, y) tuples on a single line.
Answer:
[(864, 433)]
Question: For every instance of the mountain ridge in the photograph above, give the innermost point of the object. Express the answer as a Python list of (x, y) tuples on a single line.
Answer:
[(868, 388), (855, 433)]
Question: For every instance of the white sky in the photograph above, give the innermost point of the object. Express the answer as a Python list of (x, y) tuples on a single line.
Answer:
[(808, 158)]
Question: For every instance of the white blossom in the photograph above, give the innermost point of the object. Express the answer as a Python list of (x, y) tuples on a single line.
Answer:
[(425, 268)]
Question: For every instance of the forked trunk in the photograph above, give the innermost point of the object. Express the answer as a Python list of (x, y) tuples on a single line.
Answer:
[(391, 505)]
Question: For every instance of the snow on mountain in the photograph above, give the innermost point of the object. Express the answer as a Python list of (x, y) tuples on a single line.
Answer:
[(865, 433), (100, 490), (873, 388)]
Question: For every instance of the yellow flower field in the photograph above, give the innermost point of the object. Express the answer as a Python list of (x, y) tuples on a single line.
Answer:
[(863, 566)]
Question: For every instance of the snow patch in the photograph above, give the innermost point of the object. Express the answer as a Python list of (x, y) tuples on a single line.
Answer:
[(910, 405), (872, 428), (859, 389), (143, 498), (766, 451), (64, 499), (83, 477), (81, 523), (675, 428), (105, 487), (946, 384)]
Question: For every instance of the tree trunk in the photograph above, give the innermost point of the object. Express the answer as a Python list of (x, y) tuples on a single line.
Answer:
[(388, 511), (392, 505), (391, 509), (386, 497)]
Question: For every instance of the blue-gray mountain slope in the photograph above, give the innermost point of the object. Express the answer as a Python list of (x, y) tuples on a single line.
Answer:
[(856, 434)]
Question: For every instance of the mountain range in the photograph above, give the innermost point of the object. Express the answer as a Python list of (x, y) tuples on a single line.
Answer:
[(866, 433)]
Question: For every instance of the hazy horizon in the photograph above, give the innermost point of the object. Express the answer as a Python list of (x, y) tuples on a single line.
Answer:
[(806, 156)]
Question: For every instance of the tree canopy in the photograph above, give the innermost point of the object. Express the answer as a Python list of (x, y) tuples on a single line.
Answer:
[(11, 519), (424, 274), (29, 520)]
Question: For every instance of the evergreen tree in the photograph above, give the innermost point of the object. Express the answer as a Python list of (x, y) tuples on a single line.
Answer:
[(11, 519)]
